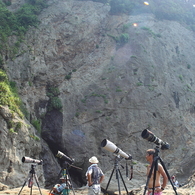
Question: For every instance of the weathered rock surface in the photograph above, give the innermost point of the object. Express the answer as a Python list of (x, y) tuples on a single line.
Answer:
[(113, 91), (15, 144)]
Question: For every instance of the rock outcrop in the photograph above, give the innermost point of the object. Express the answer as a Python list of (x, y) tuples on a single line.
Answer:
[(18, 142)]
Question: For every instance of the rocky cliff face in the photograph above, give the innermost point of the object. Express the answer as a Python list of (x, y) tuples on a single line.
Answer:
[(16, 143), (107, 89)]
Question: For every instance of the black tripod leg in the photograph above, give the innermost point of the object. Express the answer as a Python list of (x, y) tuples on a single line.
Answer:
[(59, 174), (149, 176), (31, 190), (24, 183), (110, 179), (22, 187), (123, 181), (117, 177), (30, 181), (174, 188), (67, 174), (36, 179), (155, 171), (118, 173)]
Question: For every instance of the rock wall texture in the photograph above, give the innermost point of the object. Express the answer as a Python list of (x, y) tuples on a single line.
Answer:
[(108, 89), (15, 144)]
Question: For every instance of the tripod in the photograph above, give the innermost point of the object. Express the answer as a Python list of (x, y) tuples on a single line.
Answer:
[(154, 167), (29, 179), (68, 182), (118, 173)]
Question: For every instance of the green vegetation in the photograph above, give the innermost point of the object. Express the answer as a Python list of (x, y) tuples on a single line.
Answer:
[(37, 125), (118, 90), (99, 95), (188, 66), (126, 27), (68, 77), (18, 126), (9, 95), (10, 124), (139, 84), (98, 111), (122, 39), (77, 114), (134, 162), (134, 57), (151, 32), (54, 101), (14, 127), (95, 95), (34, 137), (107, 118), (177, 10), (17, 24), (84, 100), (181, 77)]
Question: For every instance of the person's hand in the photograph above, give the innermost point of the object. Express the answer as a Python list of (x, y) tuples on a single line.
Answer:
[(158, 189), (90, 184), (55, 190)]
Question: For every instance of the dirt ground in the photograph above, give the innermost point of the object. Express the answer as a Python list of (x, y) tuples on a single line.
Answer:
[(35, 191)]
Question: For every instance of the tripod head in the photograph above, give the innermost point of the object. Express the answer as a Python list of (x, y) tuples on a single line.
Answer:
[(32, 169), (33, 166), (157, 150)]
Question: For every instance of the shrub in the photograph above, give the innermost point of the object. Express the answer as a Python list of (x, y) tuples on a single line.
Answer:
[(68, 77), (53, 91), (18, 23), (124, 38), (54, 102), (18, 126), (8, 94), (37, 125)]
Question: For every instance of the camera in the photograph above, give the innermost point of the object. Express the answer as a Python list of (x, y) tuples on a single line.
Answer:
[(148, 135), (108, 145), (64, 157), (26, 159)]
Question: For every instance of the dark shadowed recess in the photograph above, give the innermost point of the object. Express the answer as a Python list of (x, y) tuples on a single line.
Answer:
[(52, 133)]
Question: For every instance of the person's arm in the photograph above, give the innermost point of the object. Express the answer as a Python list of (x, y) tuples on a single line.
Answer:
[(164, 175), (90, 183), (101, 178), (148, 170)]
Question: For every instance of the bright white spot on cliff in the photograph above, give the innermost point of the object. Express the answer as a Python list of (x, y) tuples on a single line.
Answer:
[(193, 5), (146, 3), (135, 24)]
